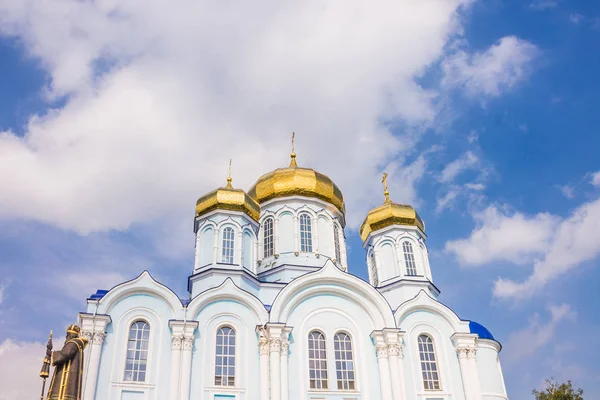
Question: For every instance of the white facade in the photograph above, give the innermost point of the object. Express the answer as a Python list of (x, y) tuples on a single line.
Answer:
[(274, 315)]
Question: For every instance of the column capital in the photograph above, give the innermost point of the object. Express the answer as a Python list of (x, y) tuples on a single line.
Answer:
[(176, 342), (98, 338), (394, 349), (187, 343), (87, 334), (382, 351)]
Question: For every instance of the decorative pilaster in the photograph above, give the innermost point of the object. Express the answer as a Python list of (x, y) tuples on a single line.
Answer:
[(285, 348), (383, 363), (275, 364), (296, 235), (277, 335), (94, 329), (216, 247), (175, 366), (263, 349), (395, 354), (182, 344), (466, 348)]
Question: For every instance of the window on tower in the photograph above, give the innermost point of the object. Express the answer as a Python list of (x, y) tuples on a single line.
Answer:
[(317, 360), (336, 242), (137, 352), (429, 367), (268, 237), (344, 362), (409, 259), (227, 246), (225, 357), (305, 233), (373, 267)]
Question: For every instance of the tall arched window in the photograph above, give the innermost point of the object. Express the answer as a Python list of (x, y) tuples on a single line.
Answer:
[(227, 246), (317, 360), (429, 368), (137, 352), (374, 276), (344, 362), (409, 259), (336, 242), (225, 357), (305, 233), (268, 237)]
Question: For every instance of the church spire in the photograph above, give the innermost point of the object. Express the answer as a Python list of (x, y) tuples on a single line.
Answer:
[(293, 163), (228, 186), (386, 193)]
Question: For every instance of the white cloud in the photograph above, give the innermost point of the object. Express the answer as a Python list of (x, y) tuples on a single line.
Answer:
[(553, 245), (543, 4), (461, 164), (567, 191), (494, 71), (156, 105), (81, 284), (576, 18), (501, 236), (522, 344), (596, 179), (575, 240), (20, 364), (444, 201)]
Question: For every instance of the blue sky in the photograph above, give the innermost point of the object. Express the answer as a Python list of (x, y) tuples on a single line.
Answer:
[(115, 117)]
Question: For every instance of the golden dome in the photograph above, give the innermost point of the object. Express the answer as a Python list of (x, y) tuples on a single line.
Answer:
[(296, 181), (228, 198), (390, 214)]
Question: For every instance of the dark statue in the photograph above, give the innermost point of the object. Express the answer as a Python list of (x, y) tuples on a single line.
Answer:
[(66, 382)]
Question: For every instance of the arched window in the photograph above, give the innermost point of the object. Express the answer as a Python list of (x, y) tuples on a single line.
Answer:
[(225, 357), (137, 352), (429, 368), (268, 237), (336, 242), (409, 259), (374, 276), (305, 233), (227, 246), (344, 362), (317, 360)]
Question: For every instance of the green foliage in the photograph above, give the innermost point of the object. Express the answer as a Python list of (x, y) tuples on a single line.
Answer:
[(554, 391)]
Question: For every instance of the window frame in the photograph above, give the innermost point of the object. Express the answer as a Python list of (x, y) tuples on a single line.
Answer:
[(305, 235), (354, 381), (223, 248), (337, 244), (410, 260), (229, 356), (436, 362), (321, 381), (271, 237), (147, 350)]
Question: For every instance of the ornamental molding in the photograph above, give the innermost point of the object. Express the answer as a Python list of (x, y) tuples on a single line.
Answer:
[(382, 351), (176, 342), (263, 346), (87, 335), (187, 343), (285, 347), (394, 349), (275, 345), (98, 338), (466, 352)]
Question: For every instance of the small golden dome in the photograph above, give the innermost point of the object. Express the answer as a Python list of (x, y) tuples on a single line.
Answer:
[(228, 198), (296, 181), (390, 214)]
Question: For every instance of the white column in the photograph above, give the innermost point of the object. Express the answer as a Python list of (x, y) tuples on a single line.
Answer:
[(216, 246), (296, 235), (275, 236), (384, 372), (263, 348), (474, 374), (285, 394), (237, 247), (315, 233), (275, 364), (464, 371), (175, 366), (197, 251), (399, 259), (394, 351), (93, 366), (186, 366)]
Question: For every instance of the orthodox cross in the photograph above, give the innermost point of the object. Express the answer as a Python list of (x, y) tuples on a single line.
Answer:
[(386, 193), (229, 177), (293, 163)]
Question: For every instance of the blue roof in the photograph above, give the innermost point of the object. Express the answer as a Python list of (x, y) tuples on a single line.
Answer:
[(98, 295), (480, 330)]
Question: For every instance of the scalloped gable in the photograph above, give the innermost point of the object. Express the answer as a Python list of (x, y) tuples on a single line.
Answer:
[(227, 290), (423, 301), (296, 291), (142, 284)]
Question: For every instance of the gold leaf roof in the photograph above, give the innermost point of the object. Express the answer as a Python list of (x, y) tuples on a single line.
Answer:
[(228, 198), (296, 181)]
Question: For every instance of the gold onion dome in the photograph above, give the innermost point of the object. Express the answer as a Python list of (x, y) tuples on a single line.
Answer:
[(228, 198), (296, 181), (390, 214)]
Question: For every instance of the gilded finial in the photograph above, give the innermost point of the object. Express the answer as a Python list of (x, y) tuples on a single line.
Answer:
[(293, 163), (386, 193), (229, 177)]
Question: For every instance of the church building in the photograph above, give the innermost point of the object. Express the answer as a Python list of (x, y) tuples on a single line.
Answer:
[(273, 314)]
